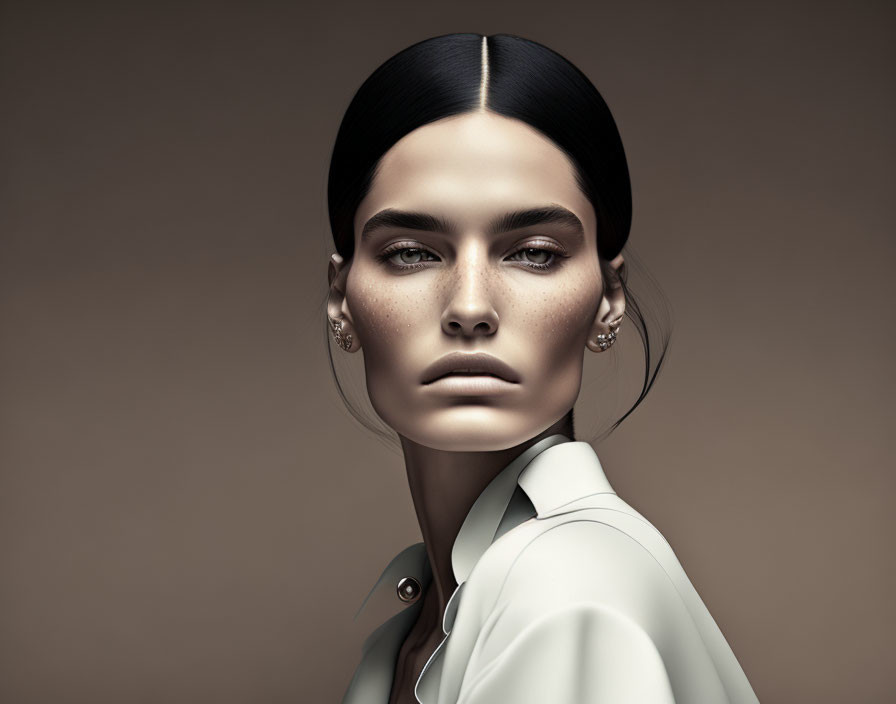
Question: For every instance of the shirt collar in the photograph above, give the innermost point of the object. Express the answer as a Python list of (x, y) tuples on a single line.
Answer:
[(479, 527), (552, 473)]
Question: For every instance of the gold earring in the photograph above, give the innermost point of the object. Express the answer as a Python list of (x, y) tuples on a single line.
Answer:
[(342, 338)]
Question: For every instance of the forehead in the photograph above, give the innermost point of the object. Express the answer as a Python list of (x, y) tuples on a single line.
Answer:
[(471, 167)]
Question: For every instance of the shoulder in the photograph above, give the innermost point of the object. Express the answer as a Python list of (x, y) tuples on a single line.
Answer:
[(595, 560), (591, 586)]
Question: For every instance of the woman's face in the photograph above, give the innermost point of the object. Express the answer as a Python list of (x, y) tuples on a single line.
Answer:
[(474, 239)]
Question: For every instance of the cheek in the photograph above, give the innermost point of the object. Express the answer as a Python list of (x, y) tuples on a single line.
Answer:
[(557, 321), (387, 314), (558, 330), (374, 307)]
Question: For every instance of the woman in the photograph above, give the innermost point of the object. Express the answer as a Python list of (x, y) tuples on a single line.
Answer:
[(479, 200)]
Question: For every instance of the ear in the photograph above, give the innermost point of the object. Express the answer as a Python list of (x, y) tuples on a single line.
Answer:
[(337, 306), (612, 304)]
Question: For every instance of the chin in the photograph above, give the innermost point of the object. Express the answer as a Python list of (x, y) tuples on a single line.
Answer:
[(472, 428)]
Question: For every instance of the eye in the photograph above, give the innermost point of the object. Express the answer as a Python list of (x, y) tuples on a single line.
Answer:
[(404, 257), (411, 256), (533, 255), (541, 258)]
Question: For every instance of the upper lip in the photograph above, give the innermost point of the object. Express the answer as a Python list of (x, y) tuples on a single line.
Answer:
[(471, 363)]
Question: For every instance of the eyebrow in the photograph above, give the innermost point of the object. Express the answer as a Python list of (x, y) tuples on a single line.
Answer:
[(515, 220)]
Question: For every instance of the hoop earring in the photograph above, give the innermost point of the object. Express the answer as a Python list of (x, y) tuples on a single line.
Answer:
[(342, 338)]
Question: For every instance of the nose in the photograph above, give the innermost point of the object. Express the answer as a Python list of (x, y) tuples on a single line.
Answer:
[(469, 311)]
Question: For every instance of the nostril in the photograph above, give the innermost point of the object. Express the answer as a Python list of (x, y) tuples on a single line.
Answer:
[(479, 324)]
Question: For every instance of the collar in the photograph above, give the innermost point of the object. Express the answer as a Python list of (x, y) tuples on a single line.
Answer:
[(538, 483), (553, 472)]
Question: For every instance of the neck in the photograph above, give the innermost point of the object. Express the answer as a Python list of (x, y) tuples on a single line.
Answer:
[(444, 485)]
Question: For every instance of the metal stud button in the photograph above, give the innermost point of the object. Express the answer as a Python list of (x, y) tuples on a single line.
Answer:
[(408, 590)]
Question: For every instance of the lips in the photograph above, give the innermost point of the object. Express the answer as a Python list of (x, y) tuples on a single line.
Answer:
[(469, 364)]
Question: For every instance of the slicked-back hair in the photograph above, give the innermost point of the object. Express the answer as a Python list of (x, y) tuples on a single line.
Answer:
[(508, 75)]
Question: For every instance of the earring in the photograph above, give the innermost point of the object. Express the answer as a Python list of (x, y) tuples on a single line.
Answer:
[(605, 341), (343, 339)]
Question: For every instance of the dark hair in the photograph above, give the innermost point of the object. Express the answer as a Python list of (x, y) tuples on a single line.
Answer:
[(441, 77)]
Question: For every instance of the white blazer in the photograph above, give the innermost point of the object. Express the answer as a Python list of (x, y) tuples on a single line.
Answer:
[(566, 595)]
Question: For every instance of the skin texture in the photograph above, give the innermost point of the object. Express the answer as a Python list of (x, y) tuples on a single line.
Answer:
[(467, 289)]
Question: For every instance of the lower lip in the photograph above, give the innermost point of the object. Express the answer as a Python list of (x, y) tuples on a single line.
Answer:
[(472, 385)]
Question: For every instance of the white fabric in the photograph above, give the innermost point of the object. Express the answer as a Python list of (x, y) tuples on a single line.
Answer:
[(579, 599)]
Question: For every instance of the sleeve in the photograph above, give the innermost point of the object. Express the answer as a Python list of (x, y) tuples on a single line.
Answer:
[(588, 615), (578, 654)]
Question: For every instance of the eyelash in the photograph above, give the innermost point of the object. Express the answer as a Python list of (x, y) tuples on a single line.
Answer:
[(392, 250)]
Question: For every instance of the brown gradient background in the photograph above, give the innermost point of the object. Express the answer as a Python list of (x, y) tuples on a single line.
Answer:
[(187, 512)]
